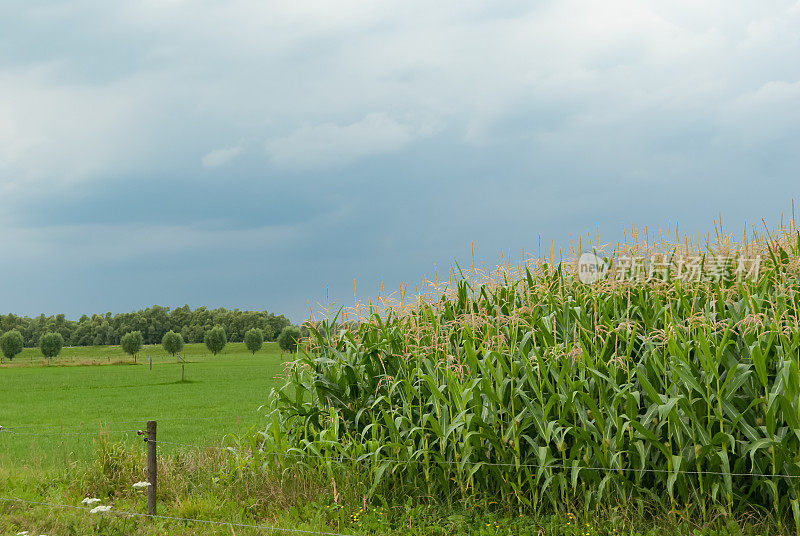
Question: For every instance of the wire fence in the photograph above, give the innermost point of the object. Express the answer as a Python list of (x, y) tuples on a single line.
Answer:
[(12, 431), (377, 460), (43, 434), (383, 460), (103, 422), (367, 458)]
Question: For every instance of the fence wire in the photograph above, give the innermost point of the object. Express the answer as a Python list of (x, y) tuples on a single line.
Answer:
[(104, 422), (371, 458), (98, 432), (173, 518)]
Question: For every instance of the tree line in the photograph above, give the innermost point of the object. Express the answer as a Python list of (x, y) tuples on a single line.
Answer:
[(51, 343), (152, 323)]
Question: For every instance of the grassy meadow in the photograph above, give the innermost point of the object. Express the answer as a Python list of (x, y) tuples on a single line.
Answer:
[(522, 401), (50, 413)]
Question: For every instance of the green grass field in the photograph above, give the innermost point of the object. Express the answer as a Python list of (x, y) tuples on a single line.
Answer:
[(51, 414)]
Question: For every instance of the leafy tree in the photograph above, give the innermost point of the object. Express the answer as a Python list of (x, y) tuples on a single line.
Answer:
[(269, 332), (215, 339), (277, 323), (51, 344), (288, 339), (172, 342), (103, 334), (131, 343), (254, 339), (11, 343)]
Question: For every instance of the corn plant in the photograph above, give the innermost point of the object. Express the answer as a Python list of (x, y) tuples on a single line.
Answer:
[(535, 390)]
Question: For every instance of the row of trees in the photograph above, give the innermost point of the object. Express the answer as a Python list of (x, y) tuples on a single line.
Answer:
[(153, 323), (11, 343), (216, 338)]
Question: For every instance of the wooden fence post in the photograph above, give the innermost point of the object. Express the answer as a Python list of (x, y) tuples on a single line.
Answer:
[(152, 468)]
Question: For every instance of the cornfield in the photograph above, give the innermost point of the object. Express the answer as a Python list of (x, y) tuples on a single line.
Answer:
[(531, 388)]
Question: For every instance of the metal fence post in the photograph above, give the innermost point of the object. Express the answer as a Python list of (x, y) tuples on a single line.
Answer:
[(152, 467)]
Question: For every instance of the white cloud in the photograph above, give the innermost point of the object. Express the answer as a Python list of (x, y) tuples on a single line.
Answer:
[(57, 134), (217, 157), (333, 144), (308, 76), (764, 116)]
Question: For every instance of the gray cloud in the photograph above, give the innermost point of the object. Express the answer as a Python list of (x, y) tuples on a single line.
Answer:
[(218, 157), (361, 139), (329, 144)]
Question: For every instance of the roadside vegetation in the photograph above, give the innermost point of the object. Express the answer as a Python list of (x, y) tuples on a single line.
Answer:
[(216, 484)]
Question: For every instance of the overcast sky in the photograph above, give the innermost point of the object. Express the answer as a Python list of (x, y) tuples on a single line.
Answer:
[(256, 154)]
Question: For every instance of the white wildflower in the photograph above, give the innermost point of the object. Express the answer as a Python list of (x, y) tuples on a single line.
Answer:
[(99, 509), (89, 500), (24, 532), (142, 484)]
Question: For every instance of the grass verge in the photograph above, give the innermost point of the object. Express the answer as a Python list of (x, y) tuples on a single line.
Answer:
[(232, 485)]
